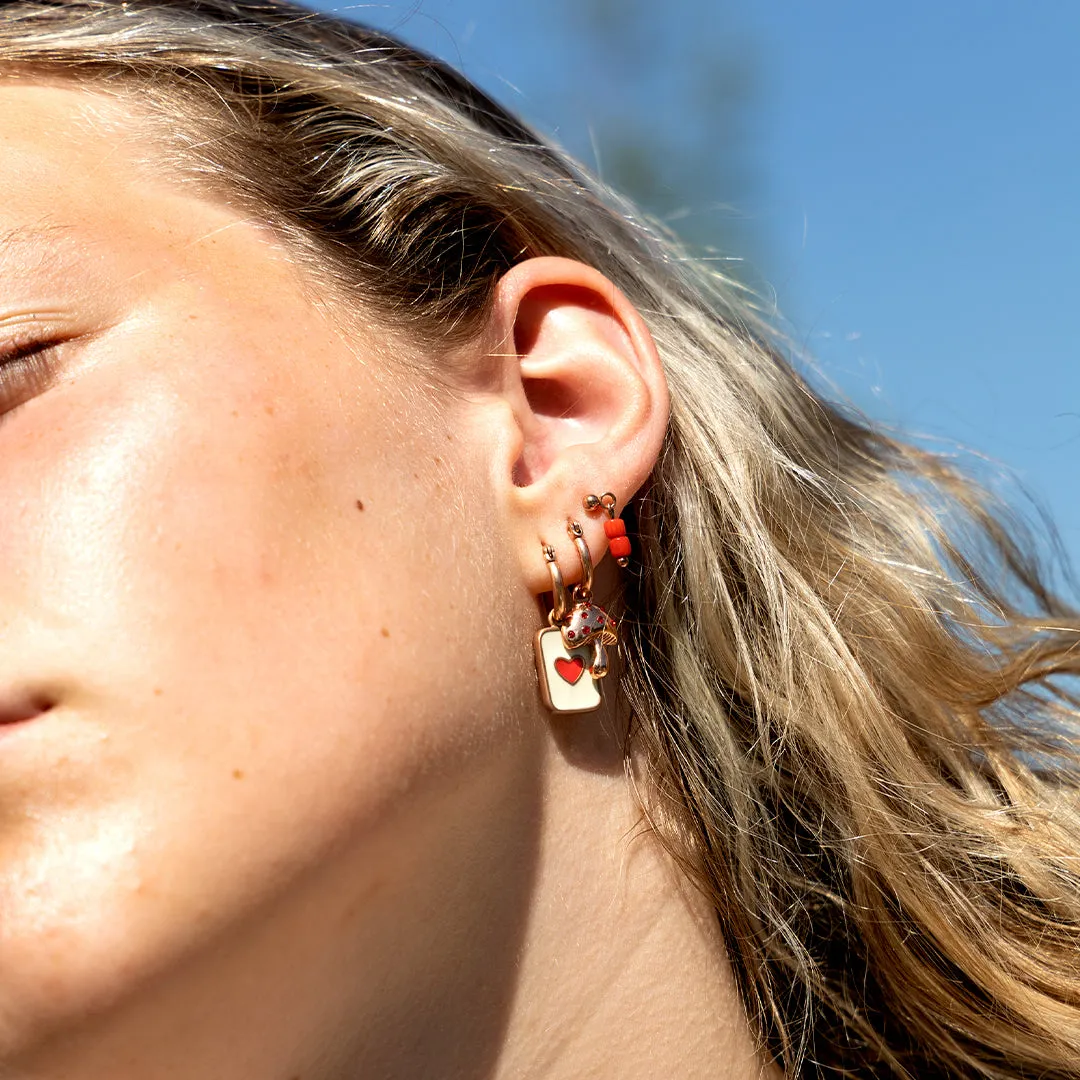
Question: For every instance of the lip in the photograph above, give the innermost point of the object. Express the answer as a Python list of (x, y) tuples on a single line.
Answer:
[(19, 707)]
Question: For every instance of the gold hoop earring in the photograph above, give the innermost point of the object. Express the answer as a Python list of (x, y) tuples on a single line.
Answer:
[(576, 637)]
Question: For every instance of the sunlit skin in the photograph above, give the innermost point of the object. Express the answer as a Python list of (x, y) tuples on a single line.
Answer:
[(282, 799)]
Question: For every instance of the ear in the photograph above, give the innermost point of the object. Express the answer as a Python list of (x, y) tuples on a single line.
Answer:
[(588, 400)]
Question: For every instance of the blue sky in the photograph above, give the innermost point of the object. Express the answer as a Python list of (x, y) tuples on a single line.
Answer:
[(915, 170)]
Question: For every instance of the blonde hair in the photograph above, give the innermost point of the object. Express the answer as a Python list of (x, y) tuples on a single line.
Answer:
[(846, 670)]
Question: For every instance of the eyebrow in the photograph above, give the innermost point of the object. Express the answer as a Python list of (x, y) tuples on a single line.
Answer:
[(40, 238), (40, 246)]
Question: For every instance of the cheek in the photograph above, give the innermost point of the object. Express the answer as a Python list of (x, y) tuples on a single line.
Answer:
[(254, 668)]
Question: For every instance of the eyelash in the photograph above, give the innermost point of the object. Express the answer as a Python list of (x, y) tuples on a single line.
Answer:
[(27, 369)]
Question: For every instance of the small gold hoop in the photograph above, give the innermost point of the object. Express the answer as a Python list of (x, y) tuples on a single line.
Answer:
[(558, 588)]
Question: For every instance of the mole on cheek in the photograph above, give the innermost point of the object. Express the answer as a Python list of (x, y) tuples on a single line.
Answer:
[(359, 505)]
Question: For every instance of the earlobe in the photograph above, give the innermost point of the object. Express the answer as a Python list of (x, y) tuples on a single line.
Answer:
[(589, 398)]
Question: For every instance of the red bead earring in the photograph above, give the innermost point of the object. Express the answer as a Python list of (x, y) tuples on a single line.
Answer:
[(614, 528)]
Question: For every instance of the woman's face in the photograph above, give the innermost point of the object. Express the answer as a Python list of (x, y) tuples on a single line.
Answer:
[(246, 565)]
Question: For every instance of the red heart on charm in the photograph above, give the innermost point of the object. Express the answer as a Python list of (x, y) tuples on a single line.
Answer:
[(570, 670)]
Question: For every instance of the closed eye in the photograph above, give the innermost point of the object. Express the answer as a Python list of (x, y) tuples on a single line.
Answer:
[(27, 368)]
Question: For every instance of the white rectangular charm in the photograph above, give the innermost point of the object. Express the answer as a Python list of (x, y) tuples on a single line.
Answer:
[(565, 681)]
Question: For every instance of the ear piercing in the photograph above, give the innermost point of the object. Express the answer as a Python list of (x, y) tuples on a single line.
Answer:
[(578, 631), (614, 528)]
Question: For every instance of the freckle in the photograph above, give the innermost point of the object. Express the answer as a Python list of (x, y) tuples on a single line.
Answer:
[(236, 412), (359, 505), (158, 691), (269, 410), (238, 774), (416, 476), (384, 632), (438, 461), (193, 317)]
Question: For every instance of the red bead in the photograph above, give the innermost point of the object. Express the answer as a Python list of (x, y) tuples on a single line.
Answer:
[(619, 547), (614, 528)]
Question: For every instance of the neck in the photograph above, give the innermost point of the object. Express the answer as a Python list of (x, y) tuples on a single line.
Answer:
[(623, 972)]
